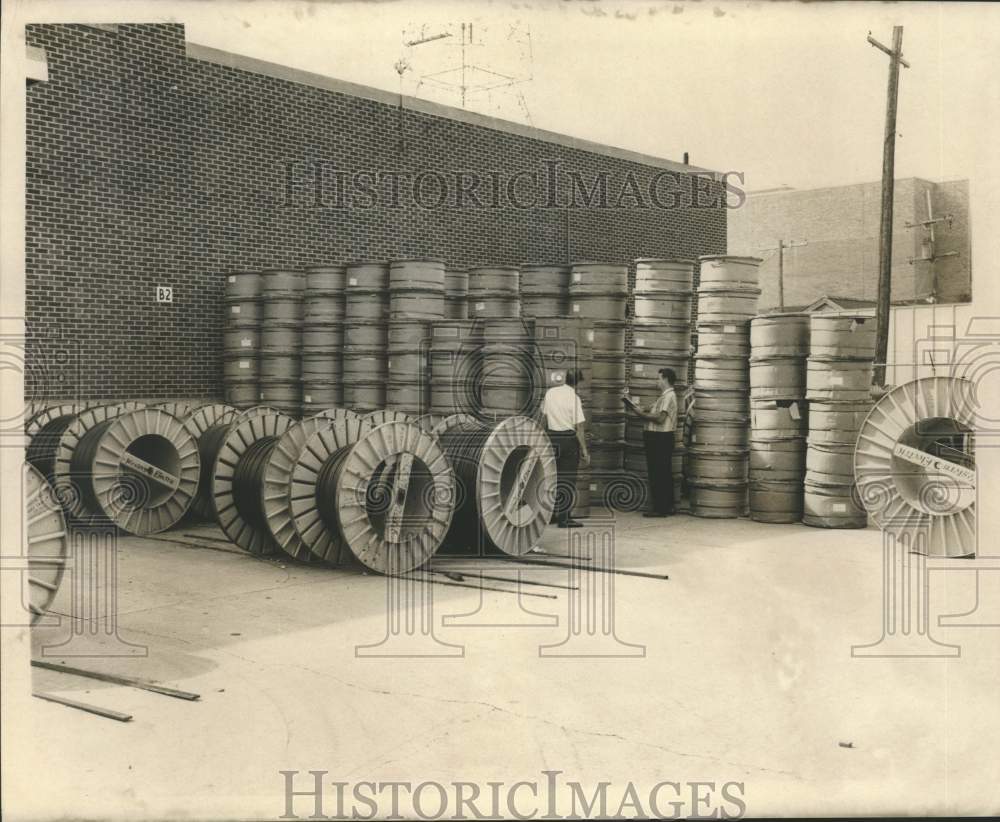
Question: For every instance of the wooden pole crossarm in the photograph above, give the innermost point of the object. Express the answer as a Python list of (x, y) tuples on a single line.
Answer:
[(888, 51)]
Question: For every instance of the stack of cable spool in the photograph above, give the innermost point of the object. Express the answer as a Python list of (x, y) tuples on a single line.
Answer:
[(416, 301), (510, 377), (544, 290), (838, 387), (563, 345), (366, 335), (494, 293), (779, 345), (323, 338), (456, 294), (241, 338), (598, 294), (454, 367), (661, 338), (718, 461), (281, 339)]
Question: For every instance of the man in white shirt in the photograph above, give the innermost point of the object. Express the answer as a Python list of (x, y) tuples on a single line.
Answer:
[(566, 423), (658, 438)]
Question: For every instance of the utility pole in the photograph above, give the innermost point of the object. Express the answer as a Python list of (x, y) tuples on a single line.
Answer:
[(780, 248), (885, 229)]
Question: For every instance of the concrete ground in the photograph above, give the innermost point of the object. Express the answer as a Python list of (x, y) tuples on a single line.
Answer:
[(738, 669)]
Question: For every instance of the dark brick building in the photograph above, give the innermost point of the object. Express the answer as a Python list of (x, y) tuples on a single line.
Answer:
[(152, 161)]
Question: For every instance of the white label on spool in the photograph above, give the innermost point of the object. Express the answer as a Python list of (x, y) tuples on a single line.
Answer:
[(593, 486), (480, 306), (308, 398), (576, 276), (244, 363), (246, 342), (576, 310), (235, 309), (836, 380), (262, 395), (637, 367), (639, 343), (793, 409), (729, 329), (232, 278), (389, 364), (925, 460), (556, 376), (352, 280), (839, 507)]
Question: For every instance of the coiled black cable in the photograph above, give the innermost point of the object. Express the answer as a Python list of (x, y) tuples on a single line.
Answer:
[(209, 444), (248, 481)]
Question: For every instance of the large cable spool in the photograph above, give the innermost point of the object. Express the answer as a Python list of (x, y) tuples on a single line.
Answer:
[(276, 484), (138, 470), (47, 541), (57, 442), (207, 425), (42, 418), (494, 292), (838, 380), (312, 490), (507, 474), (395, 496), (178, 408), (456, 294), (238, 475), (915, 465), (779, 419)]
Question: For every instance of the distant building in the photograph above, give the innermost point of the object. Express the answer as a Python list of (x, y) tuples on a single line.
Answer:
[(841, 228)]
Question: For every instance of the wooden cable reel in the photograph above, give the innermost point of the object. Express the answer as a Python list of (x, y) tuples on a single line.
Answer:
[(47, 542), (507, 474), (237, 476), (63, 482), (914, 465), (311, 492), (139, 470), (276, 484), (395, 496)]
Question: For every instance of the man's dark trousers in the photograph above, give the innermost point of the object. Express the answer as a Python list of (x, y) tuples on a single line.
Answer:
[(567, 460), (659, 470)]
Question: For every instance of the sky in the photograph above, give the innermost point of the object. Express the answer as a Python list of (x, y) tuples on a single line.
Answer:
[(790, 94)]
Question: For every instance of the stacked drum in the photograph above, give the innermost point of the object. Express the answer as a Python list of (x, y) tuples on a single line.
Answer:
[(366, 335), (416, 300), (281, 340), (718, 459), (323, 338), (456, 294), (454, 367), (241, 339), (779, 345), (598, 294), (544, 290), (510, 382), (838, 386), (494, 293), (661, 338)]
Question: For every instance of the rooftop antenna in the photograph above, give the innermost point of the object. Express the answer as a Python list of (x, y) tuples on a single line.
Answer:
[(470, 77)]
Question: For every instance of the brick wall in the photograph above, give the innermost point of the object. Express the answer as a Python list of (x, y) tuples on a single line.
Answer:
[(841, 226), (146, 167)]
